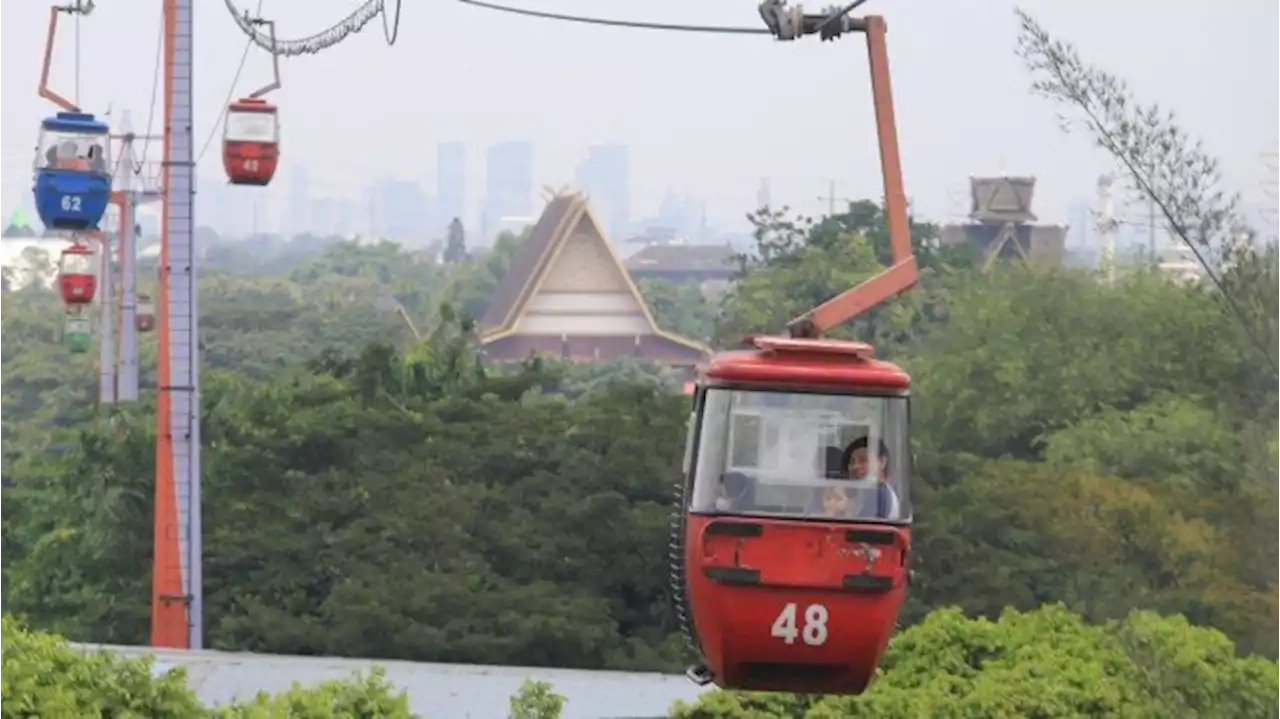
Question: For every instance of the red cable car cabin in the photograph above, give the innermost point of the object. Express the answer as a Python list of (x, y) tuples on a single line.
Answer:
[(794, 532), (798, 529), (77, 281), (144, 317), (251, 142)]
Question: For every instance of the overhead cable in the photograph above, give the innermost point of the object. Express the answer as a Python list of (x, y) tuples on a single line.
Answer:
[(151, 111), (618, 23), (781, 21)]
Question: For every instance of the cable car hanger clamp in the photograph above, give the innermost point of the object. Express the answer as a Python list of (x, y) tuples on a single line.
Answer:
[(310, 45), (231, 92)]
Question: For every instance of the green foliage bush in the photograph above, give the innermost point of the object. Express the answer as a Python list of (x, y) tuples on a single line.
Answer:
[(45, 678), (1047, 663), (355, 698), (536, 700)]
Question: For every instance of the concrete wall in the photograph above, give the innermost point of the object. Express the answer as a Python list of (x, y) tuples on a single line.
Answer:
[(456, 691)]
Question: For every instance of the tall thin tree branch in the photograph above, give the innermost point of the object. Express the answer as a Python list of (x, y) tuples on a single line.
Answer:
[(1175, 173)]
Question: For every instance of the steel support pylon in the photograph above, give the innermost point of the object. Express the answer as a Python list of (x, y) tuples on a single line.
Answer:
[(127, 371), (177, 590), (106, 321), (135, 185), (127, 367)]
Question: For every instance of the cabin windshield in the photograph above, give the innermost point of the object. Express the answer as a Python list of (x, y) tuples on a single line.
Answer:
[(65, 150), (74, 263), (243, 126), (793, 454)]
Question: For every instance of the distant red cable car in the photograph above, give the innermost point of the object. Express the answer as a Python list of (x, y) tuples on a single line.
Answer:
[(251, 142), (77, 280), (792, 540), (251, 131), (144, 316)]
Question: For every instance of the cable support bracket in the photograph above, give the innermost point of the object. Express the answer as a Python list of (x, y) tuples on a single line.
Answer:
[(312, 44), (792, 23), (81, 7)]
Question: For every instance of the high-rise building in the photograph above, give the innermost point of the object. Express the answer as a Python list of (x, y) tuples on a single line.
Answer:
[(451, 181), (348, 217), (400, 210), (605, 175), (508, 181)]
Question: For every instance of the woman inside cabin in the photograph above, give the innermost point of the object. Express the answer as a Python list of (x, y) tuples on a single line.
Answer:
[(882, 503)]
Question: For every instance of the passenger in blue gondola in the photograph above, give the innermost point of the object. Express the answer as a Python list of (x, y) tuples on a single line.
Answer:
[(68, 151), (61, 155), (97, 158)]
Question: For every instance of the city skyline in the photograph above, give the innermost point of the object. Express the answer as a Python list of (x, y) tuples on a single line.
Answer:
[(405, 212), (417, 210), (703, 115), (393, 207)]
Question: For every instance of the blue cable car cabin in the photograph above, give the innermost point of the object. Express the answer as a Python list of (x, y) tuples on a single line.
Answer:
[(73, 171)]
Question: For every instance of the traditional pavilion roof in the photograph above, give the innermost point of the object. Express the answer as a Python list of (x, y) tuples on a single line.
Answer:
[(567, 215)]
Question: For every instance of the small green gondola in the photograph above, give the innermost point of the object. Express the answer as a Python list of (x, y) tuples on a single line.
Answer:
[(78, 333)]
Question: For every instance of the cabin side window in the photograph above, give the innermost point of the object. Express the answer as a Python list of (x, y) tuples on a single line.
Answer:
[(243, 126), (796, 454), (690, 434), (66, 150)]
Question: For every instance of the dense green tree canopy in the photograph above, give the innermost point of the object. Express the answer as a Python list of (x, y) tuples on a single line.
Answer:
[(346, 463)]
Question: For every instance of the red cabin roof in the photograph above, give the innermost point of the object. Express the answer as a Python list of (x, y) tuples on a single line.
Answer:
[(807, 362), (252, 104)]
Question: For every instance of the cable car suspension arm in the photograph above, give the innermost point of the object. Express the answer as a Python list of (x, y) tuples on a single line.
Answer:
[(903, 274), (80, 7), (275, 56), (327, 38)]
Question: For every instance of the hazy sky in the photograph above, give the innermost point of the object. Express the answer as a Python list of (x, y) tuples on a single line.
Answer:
[(708, 114)]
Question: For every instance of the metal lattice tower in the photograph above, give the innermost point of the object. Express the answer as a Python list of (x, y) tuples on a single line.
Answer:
[(132, 187), (106, 322), (177, 594), (177, 582)]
